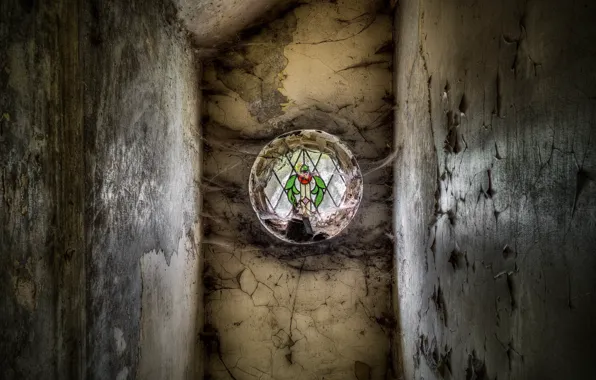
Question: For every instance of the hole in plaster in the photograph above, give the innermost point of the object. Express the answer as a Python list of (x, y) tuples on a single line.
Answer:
[(305, 186)]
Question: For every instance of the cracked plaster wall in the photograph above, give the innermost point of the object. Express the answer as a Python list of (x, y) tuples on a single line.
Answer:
[(100, 164), (495, 189), (279, 311)]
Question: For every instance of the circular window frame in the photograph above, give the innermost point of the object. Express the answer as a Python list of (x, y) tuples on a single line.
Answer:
[(323, 227)]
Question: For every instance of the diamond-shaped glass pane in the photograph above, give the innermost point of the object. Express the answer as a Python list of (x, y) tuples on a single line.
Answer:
[(322, 187), (305, 186)]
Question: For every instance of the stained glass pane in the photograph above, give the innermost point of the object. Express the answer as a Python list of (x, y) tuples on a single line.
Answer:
[(301, 182), (313, 179)]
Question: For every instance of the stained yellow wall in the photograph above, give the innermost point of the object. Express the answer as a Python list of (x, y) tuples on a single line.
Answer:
[(279, 311)]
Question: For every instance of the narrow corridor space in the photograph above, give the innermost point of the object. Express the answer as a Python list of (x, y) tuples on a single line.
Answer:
[(297, 190)]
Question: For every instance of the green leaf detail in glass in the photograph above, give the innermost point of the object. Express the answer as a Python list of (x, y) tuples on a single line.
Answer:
[(318, 189), (295, 179), (291, 190)]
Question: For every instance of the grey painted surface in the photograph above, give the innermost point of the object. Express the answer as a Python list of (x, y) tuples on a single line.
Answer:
[(141, 124), (99, 182), (494, 189), (41, 193)]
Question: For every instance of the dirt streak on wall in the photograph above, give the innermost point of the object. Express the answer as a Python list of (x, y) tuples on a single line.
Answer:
[(299, 312), (41, 192), (495, 210), (143, 166), (99, 227)]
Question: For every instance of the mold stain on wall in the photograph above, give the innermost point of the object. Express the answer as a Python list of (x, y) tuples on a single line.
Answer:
[(99, 204), (280, 311)]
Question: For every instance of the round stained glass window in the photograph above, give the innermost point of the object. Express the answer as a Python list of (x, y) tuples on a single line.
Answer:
[(305, 186)]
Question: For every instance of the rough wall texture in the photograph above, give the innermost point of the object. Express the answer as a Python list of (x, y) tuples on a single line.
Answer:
[(99, 204), (141, 124), (495, 207), (277, 311), (41, 193), (214, 22)]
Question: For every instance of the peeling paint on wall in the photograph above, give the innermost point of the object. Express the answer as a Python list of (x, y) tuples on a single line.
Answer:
[(276, 310), (40, 210), (99, 163), (495, 260), (143, 165), (171, 314)]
